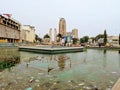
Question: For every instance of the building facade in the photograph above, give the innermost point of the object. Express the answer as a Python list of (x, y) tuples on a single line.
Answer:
[(68, 33), (75, 33), (113, 40), (62, 27), (28, 33), (9, 30)]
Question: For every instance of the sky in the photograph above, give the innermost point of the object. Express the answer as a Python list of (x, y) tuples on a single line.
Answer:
[(90, 17)]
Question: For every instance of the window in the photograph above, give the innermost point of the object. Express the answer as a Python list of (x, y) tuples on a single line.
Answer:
[(4, 22)]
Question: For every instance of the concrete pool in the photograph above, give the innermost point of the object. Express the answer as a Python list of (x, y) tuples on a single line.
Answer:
[(68, 71)]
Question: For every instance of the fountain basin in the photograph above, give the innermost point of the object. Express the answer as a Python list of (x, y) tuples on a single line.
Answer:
[(51, 50)]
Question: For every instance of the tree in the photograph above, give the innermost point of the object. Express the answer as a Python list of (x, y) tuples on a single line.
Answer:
[(99, 36), (40, 39), (93, 39), (119, 39), (74, 40), (59, 37), (46, 36), (105, 37), (84, 39), (37, 38)]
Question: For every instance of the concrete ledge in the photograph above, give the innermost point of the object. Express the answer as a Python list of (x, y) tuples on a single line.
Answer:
[(51, 50), (118, 48), (117, 85)]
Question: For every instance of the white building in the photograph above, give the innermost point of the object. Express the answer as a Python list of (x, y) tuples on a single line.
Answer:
[(113, 40), (27, 33), (101, 40), (75, 33)]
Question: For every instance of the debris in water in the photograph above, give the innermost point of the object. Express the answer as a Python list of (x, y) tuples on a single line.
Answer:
[(108, 89), (55, 83), (71, 81), (47, 85), (31, 80), (40, 73), (114, 72), (38, 85), (29, 88), (86, 87), (81, 84), (36, 80), (51, 79), (111, 81), (95, 88)]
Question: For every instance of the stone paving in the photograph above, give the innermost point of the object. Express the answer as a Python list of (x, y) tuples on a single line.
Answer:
[(117, 85)]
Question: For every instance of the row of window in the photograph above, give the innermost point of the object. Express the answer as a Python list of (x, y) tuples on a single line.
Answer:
[(10, 24)]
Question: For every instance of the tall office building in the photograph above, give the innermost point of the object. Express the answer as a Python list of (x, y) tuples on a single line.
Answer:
[(75, 33), (50, 34), (55, 35), (62, 27)]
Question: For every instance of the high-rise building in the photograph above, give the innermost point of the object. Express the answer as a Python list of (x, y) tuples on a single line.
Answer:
[(55, 35), (50, 34), (62, 26), (68, 33), (75, 33)]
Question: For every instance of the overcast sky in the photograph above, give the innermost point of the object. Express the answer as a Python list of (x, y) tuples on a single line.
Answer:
[(90, 17)]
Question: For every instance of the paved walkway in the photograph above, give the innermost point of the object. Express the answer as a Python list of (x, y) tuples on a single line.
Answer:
[(117, 85)]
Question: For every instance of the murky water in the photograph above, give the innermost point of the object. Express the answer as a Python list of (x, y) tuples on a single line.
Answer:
[(89, 70)]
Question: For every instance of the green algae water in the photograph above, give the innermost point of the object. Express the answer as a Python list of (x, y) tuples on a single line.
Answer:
[(88, 70)]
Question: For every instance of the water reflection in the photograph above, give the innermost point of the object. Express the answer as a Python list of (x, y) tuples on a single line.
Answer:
[(50, 68), (49, 62), (86, 71), (61, 62), (119, 57), (104, 59), (8, 62), (9, 57), (104, 51), (70, 63), (85, 56)]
